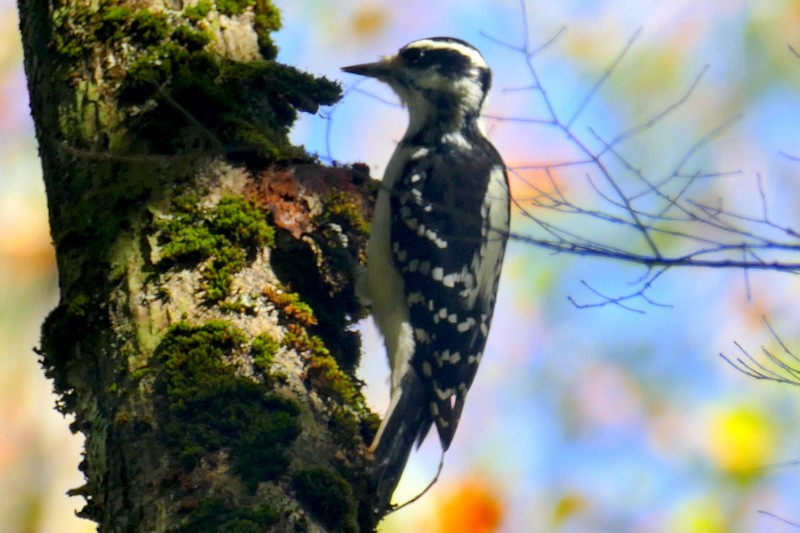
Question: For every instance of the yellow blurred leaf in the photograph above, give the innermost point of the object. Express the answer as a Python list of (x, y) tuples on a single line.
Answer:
[(741, 440), (699, 516), (566, 507)]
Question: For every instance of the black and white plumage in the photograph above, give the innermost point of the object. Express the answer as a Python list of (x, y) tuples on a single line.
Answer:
[(436, 246)]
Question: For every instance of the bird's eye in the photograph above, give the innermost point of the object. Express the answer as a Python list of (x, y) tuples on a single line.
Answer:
[(413, 56)]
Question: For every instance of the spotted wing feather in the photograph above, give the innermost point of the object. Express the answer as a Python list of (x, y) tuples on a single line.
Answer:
[(440, 215)]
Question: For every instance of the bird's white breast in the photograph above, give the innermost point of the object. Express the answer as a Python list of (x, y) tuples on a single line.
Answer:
[(384, 282)]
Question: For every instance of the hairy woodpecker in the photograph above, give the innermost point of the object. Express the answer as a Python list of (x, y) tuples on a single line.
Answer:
[(436, 247)]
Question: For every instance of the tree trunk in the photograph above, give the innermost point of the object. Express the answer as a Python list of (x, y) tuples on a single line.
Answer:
[(205, 265)]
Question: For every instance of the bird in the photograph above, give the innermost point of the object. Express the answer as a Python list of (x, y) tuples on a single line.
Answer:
[(436, 246)]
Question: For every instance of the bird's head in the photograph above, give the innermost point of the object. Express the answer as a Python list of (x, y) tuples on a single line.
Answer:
[(437, 78)]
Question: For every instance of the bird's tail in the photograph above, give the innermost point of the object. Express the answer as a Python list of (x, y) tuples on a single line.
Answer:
[(408, 419)]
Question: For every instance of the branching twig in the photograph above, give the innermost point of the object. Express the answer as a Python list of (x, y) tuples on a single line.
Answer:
[(673, 221), (707, 236), (783, 371), (599, 83), (644, 283)]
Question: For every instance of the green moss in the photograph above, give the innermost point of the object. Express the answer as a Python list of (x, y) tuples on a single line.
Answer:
[(194, 357), (349, 412), (348, 409), (112, 21), (77, 306), (223, 236), (67, 39), (149, 28), (192, 39), (343, 209), (218, 274), (67, 332), (328, 497), (198, 11), (327, 379), (233, 7), (238, 306), (119, 15), (140, 373), (299, 340), (80, 27), (267, 20), (214, 515), (60, 332), (186, 234), (212, 408), (202, 101), (263, 350), (242, 221), (290, 305), (236, 106)]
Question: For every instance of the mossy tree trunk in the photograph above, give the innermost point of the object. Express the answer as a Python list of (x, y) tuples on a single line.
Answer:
[(205, 265)]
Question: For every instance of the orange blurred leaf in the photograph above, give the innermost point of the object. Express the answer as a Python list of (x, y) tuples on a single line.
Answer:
[(471, 507), (368, 21)]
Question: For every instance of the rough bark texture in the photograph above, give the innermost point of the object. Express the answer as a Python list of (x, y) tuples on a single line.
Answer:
[(205, 268)]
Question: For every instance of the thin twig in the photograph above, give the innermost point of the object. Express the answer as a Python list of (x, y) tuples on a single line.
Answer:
[(426, 489), (596, 87), (776, 517)]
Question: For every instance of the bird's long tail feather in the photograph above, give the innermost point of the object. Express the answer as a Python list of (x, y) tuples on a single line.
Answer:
[(407, 420)]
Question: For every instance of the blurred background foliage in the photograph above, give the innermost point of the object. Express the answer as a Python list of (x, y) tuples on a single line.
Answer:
[(581, 420)]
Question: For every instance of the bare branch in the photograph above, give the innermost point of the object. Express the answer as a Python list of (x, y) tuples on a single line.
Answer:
[(598, 202), (688, 260), (783, 371), (763, 197), (393, 103), (701, 235), (789, 156), (776, 517), (594, 90), (644, 284), (649, 123)]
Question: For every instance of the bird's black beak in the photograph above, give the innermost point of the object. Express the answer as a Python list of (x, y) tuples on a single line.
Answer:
[(379, 69)]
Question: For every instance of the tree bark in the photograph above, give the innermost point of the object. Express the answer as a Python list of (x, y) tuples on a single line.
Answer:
[(205, 266)]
